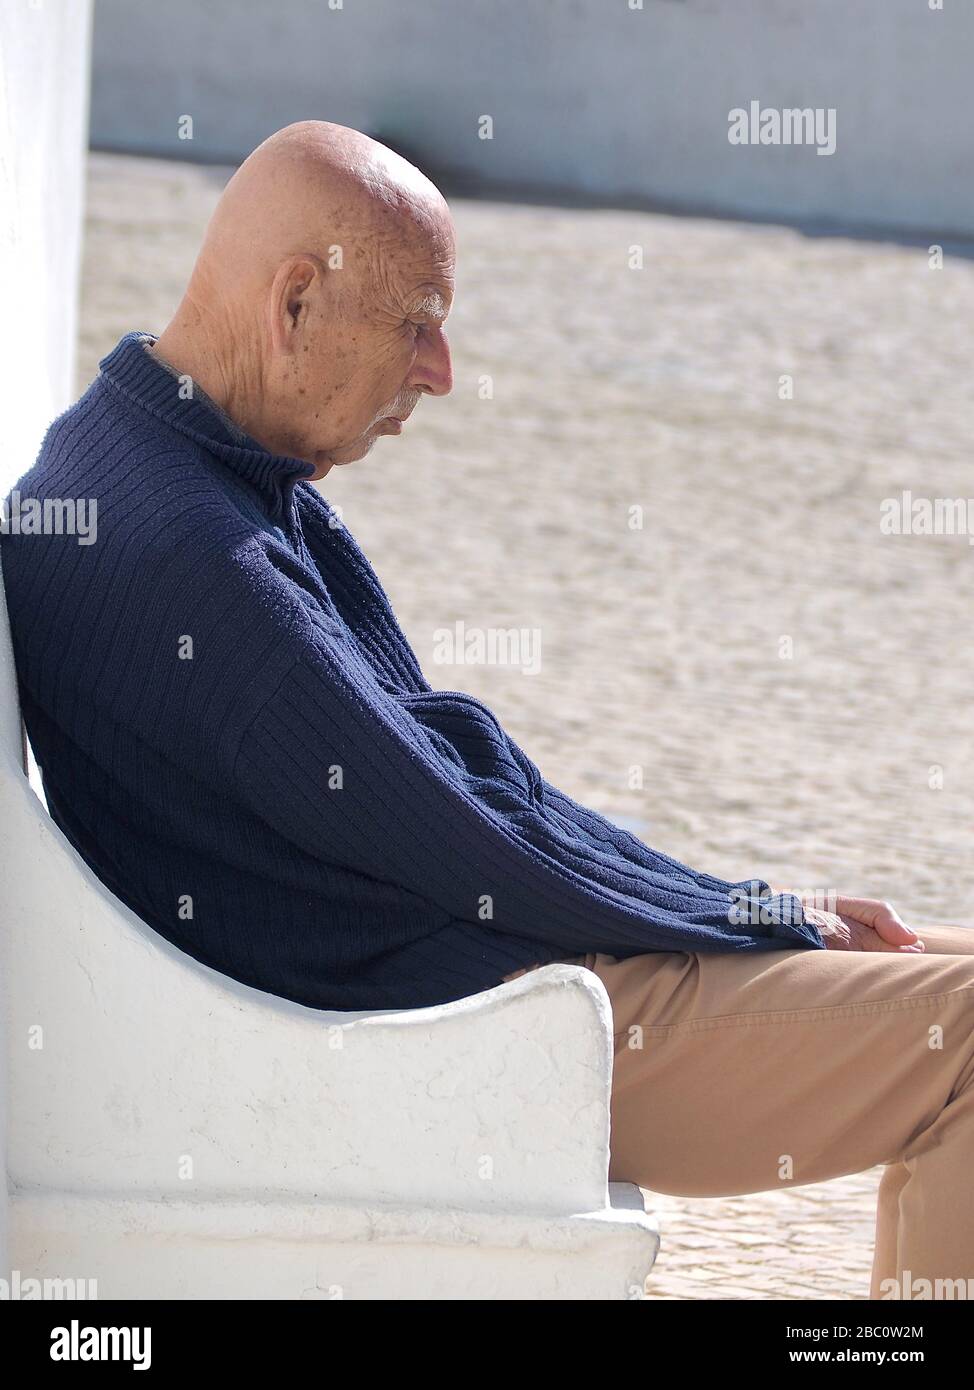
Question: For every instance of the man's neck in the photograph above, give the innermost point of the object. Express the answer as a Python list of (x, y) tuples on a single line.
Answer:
[(232, 380), (193, 356), (199, 393)]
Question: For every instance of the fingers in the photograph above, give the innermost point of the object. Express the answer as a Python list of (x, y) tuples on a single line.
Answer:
[(882, 917), (865, 924), (863, 938), (866, 938)]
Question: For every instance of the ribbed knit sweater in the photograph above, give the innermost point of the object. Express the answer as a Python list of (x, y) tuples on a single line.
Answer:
[(235, 734)]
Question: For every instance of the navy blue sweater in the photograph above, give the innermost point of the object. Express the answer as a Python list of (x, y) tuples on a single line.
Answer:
[(236, 736)]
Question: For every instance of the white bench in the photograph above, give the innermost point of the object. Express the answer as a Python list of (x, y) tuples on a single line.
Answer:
[(173, 1134)]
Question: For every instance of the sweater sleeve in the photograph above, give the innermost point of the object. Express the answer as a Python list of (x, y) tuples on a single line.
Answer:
[(427, 792)]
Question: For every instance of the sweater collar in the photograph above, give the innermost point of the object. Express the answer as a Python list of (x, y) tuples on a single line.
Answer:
[(141, 377)]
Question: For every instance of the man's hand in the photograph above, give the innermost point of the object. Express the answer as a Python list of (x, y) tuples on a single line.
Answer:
[(863, 924)]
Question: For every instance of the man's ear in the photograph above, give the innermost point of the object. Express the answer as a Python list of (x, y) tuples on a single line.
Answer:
[(293, 288)]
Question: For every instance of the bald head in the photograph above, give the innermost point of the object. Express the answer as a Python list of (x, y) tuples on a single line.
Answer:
[(315, 311)]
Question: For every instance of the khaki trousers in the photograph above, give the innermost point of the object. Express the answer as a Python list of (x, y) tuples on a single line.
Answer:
[(746, 1072)]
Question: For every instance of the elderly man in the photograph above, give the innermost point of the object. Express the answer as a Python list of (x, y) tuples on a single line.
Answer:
[(237, 737)]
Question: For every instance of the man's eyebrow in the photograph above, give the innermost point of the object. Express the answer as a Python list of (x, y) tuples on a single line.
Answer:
[(432, 304)]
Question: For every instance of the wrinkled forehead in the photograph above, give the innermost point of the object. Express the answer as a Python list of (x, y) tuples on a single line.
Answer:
[(414, 253)]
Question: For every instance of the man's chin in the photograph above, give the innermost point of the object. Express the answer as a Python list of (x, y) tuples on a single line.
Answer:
[(336, 458)]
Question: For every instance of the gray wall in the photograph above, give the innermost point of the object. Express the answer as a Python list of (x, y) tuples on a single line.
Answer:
[(585, 94)]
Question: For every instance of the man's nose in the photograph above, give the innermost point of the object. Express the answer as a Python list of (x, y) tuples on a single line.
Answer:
[(432, 370)]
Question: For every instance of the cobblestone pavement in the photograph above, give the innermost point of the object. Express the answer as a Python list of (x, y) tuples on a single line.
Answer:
[(810, 1242)]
